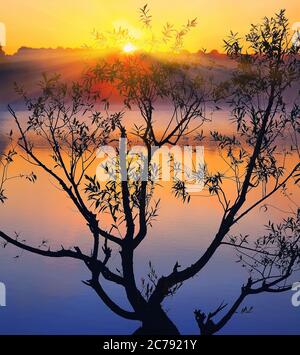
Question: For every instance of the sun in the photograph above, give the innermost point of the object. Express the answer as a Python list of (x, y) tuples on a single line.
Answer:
[(129, 48)]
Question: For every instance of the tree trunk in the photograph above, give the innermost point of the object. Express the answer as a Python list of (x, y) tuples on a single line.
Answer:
[(156, 322)]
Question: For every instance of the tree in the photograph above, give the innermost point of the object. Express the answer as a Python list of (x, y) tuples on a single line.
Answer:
[(2, 53), (263, 114), (259, 99), (169, 39), (73, 127), (7, 155), (5, 160)]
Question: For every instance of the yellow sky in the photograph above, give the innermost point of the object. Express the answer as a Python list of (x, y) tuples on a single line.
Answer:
[(68, 23)]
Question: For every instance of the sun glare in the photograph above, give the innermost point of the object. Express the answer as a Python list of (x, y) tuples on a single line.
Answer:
[(129, 48)]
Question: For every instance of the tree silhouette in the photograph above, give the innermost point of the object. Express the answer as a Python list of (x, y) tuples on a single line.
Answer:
[(7, 155), (2, 53), (73, 127), (5, 160), (264, 115), (169, 38)]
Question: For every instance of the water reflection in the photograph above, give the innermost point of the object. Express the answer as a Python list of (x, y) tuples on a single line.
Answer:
[(47, 296)]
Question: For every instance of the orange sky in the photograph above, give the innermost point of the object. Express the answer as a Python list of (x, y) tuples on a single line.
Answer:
[(68, 23)]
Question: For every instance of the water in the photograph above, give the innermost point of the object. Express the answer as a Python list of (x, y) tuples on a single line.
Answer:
[(46, 296)]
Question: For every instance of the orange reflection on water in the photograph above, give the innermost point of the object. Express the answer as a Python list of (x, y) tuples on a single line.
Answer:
[(42, 211)]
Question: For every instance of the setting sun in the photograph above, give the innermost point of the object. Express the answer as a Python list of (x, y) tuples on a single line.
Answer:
[(129, 48)]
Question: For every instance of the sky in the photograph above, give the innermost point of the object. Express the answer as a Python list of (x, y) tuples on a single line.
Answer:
[(69, 23)]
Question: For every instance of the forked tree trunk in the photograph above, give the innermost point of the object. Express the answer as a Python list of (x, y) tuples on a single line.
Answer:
[(156, 322)]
